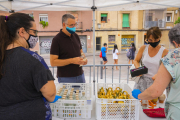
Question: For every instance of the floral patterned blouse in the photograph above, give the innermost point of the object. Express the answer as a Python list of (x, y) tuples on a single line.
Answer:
[(172, 63)]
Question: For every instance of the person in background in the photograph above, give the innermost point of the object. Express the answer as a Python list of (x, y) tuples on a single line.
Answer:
[(26, 83), (104, 51), (150, 56), (168, 77), (115, 55), (145, 42), (66, 51), (132, 51)]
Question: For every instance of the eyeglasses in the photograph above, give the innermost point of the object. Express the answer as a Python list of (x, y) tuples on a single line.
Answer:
[(72, 25), (35, 31)]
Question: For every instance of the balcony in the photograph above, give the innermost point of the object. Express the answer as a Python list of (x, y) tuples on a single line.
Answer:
[(149, 24), (160, 23), (79, 26), (154, 18)]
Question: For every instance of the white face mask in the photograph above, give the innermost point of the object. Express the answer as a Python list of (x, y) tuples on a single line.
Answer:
[(32, 41)]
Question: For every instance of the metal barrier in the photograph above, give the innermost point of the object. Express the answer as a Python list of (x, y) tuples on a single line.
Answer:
[(101, 67)]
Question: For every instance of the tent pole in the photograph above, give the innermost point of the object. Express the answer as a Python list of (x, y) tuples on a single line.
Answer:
[(5, 8), (94, 8)]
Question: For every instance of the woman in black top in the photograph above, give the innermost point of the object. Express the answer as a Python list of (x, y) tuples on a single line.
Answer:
[(24, 76), (132, 53)]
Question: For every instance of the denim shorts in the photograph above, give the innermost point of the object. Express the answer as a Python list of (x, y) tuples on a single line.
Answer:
[(104, 58)]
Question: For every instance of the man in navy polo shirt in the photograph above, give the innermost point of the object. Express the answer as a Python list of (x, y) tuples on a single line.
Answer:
[(66, 53), (104, 51)]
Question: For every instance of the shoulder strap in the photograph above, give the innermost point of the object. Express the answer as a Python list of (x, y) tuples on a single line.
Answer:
[(146, 48), (162, 50)]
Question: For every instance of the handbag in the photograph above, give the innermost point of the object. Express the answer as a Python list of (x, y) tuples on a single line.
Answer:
[(136, 79), (139, 71), (100, 55)]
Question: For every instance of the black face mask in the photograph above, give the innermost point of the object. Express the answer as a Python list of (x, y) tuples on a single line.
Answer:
[(154, 44)]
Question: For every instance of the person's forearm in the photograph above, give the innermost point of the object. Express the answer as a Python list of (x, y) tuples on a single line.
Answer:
[(148, 94), (61, 62), (136, 64), (50, 98)]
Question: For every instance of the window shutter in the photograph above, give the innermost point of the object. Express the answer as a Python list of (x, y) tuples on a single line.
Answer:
[(126, 20), (103, 15)]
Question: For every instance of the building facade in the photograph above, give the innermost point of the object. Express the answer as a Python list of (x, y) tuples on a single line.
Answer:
[(126, 27), (54, 19), (111, 27), (118, 27), (164, 19)]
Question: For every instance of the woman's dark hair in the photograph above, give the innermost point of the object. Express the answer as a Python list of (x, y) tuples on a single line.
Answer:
[(8, 31), (115, 47), (133, 46), (155, 32)]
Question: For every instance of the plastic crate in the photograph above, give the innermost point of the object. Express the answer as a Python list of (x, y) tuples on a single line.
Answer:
[(74, 108), (106, 109)]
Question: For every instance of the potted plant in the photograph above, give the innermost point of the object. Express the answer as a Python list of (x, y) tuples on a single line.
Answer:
[(44, 23), (177, 21)]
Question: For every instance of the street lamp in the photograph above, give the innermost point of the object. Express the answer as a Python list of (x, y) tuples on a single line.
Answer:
[(99, 25)]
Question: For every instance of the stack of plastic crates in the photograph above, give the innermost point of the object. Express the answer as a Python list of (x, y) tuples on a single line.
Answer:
[(108, 109), (74, 108)]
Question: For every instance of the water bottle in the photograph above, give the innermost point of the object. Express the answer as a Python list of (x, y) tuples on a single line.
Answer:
[(83, 97)]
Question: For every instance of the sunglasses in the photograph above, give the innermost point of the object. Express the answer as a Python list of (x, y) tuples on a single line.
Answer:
[(35, 31), (72, 25)]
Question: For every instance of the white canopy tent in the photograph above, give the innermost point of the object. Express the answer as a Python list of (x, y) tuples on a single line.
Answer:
[(86, 5), (81, 5)]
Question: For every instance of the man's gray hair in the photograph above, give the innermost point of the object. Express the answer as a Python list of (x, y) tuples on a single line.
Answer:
[(66, 16), (174, 34)]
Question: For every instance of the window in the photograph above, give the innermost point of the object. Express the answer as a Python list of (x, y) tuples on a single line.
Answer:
[(125, 20), (103, 18), (43, 17), (98, 43), (31, 15), (149, 17), (168, 17)]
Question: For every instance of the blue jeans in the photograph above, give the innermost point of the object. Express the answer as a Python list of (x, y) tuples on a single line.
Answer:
[(78, 79)]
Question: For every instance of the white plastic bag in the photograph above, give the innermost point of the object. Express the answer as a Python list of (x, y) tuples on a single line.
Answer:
[(135, 79)]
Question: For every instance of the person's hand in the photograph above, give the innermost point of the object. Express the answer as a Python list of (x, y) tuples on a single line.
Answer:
[(154, 77), (77, 60), (56, 98), (135, 93), (85, 61)]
